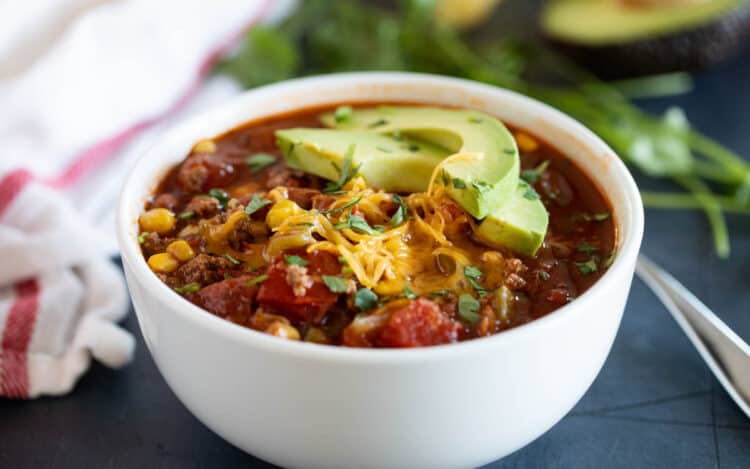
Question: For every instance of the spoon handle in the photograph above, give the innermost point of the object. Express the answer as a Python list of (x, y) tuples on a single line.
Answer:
[(726, 354)]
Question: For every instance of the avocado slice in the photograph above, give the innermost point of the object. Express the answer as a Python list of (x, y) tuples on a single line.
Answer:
[(635, 37), (519, 225), (481, 187), (394, 165)]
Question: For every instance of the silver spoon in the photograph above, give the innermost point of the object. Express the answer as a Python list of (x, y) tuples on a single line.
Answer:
[(727, 355)]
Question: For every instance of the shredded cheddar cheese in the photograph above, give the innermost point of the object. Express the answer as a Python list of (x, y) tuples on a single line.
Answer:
[(416, 253)]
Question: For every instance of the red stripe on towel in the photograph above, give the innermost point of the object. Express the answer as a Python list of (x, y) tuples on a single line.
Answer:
[(11, 185), (19, 327)]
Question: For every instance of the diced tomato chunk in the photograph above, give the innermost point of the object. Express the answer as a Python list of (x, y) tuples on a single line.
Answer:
[(228, 298), (419, 324), (277, 294)]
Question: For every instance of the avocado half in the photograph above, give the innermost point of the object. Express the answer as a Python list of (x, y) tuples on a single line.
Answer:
[(620, 38)]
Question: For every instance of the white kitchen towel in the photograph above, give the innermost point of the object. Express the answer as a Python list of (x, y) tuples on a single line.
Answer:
[(85, 86)]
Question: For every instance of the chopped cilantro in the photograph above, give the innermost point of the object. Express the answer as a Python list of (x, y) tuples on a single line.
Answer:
[(400, 215), (468, 308), (409, 293), (335, 284), (543, 275), (295, 260), (259, 161), (343, 114), (475, 120), (220, 196), (187, 214), (189, 288), (365, 299), (609, 259), (530, 193), (412, 147), (396, 134), (356, 223), (142, 237), (437, 293), (594, 216), (586, 248), (231, 259), (600, 216), (384, 149), (342, 259), (473, 272), (481, 186), (257, 280), (588, 267), (458, 184), (481, 291), (532, 175), (378, 123), (509, 151), (346, 270), (346, 173), (255, 204), (351, 203), (445, 178)]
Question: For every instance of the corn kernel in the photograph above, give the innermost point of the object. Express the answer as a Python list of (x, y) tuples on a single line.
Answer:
[(157, 220), (163, 262), (316, 335), (205, 146), (285, 331), (180, 250), (281, 211), (525, 143)]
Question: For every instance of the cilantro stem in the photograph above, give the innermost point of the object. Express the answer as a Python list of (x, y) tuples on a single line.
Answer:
[(689, 201), (713, 211)]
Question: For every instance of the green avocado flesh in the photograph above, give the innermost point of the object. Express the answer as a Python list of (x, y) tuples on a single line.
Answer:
[(403, 165), (398, 148), (481, 186), (608, 22), (521, 224)]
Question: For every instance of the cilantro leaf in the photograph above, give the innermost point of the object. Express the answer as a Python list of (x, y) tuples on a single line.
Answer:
[(189, 288), (409, 293), (588, 267), (295, 260), (343, 114), (221, 196), (351, 203), (468, 308), (400, 215), (231, 259), (257, 280), (346, 173), (365, 299), (532, 175), (335, 284), (255, 204), (473, 272), (586, 248), (259, 161)]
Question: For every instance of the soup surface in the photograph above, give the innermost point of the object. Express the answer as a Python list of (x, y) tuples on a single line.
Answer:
[(236, 231)]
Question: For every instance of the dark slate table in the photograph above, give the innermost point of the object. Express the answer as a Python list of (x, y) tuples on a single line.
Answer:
[(654, 404)]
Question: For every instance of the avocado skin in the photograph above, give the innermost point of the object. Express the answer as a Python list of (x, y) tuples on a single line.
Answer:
[(690, 50)]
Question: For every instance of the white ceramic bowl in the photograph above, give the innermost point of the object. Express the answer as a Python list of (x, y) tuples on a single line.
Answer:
[(305, 405)]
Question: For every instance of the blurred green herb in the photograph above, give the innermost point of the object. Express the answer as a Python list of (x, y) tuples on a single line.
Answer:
[(324, 37)]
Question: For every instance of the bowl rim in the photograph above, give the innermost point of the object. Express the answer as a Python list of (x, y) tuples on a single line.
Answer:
[(183, 309)]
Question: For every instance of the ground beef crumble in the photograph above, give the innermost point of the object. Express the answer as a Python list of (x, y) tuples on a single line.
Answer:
[(203, 270)]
